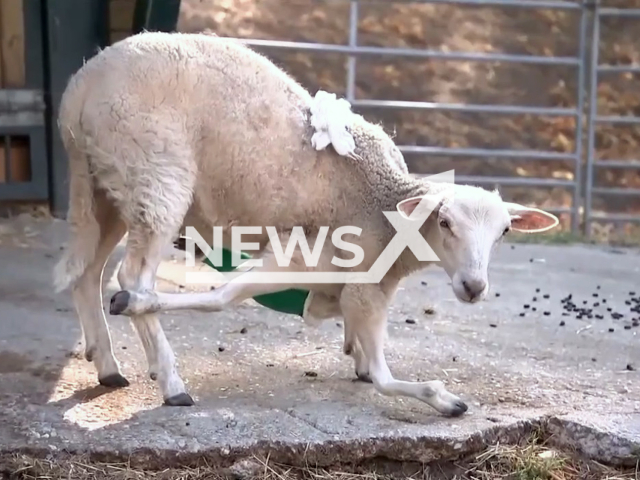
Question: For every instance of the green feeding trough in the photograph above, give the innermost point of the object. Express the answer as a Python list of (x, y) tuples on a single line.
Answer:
[(287, 301)]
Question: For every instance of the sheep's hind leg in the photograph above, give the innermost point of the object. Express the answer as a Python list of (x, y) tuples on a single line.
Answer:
[(138, 274), (243, 287), (87, 297)]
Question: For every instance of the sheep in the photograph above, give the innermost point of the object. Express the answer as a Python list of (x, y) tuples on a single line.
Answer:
[(169, 130)]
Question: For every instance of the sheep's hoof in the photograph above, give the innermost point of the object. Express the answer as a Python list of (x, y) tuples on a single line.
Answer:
[(119, 302), (458, 409), (362, 377), (180, 400), (114, 380)]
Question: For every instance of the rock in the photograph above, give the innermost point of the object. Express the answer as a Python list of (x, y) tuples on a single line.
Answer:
[(244, 469)]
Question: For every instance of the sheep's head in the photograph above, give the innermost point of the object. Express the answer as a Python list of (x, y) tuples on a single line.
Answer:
[(464, 228)]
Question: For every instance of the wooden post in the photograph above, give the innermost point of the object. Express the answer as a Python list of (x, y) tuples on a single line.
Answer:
[(12, 43)]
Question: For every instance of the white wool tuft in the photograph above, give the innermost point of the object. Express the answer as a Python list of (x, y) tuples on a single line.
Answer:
[(330, 118)]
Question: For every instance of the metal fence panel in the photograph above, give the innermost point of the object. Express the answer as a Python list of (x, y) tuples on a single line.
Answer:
[(597, 71), (353, 51)]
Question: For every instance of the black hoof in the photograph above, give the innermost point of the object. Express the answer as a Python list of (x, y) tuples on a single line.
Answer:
[(363, 377), (114, 381), (153, 376), (180, 400), (88, 354), (119, 302), (459, 408)]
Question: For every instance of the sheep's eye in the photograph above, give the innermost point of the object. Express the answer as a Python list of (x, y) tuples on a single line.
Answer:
[(506, 230), (444, 224)]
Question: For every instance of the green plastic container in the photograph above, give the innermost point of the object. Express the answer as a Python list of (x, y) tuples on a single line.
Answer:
[(290, 301)]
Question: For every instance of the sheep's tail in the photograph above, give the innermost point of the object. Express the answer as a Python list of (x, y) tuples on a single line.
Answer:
[(81, 216)]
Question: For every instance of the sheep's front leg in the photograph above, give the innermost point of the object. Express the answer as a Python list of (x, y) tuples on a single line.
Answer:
[(353, 349), (364, 308)]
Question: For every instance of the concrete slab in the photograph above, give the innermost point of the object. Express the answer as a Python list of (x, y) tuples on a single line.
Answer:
[(286, 388)]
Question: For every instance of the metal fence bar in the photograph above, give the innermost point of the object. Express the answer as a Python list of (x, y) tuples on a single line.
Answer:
[(537, 4), (616, 191), (409, 52), (630, 164), (486, 152), (593, 107), (618, 217), (466, 108), (619, 69), (509, 181), (619, 12), (617, 119), (577, 174), (353, 43)]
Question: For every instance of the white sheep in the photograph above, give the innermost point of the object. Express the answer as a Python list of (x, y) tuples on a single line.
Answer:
[(168, 130)]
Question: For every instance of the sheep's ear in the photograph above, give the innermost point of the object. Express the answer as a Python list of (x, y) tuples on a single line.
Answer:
[(408, 205), (530, 220)]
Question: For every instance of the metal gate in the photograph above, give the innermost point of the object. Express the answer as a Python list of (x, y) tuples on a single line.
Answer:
[(23, 153), (594, 165), (585, 67)]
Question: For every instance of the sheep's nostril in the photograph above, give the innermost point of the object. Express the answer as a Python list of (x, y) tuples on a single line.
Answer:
[(466, 288), (474, 288)]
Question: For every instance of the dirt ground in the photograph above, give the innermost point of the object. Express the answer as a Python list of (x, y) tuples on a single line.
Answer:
[(281, 383), (455, 28)]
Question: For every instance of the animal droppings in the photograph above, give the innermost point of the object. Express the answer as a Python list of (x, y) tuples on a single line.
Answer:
[(546, 295), (547, 313), (598, 287), (522, 314), (493, 325), (497, 294), (562, 324), (221, 348), (594, 295), (534, 309), (611, 329), (627, 327), (526, 305), (565, 314), (410, 321), (535, 299), (423, 283), (243, 330), (537, 290), (310, 374), (630, 367), (632, 293)]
